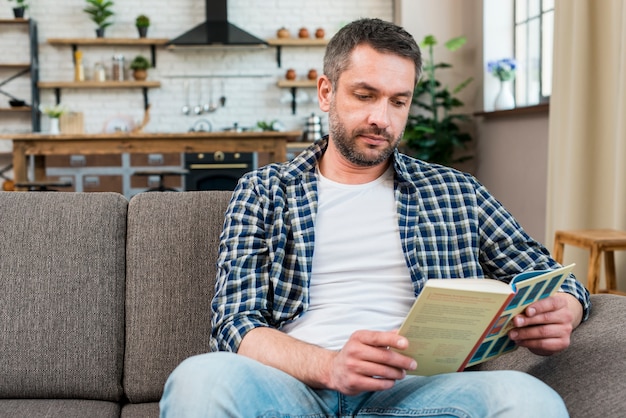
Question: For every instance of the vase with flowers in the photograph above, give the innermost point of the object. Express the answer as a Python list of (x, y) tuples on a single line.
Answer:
[(54, 113), (504, 70)]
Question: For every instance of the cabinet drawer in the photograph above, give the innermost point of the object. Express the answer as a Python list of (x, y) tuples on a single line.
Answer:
[(156, 160), (102, 183), (107, 160)]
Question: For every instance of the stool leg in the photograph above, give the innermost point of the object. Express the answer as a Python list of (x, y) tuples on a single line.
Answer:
[(558, 250), (609, 270), (593, 270)]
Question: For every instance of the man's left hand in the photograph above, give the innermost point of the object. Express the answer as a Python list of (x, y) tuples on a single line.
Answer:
[(545, 326)]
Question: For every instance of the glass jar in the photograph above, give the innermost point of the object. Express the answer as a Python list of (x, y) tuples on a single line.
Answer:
[(99, 73), (117, 70)]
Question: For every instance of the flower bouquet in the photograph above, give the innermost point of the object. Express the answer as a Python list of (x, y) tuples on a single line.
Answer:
[(503, 69), (54, 112)]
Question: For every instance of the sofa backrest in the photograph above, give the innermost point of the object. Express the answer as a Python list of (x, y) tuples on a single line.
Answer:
[(171, 255), (62, 272)]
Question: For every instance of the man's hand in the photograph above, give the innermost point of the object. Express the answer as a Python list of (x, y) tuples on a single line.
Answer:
[(367, 363), (546, 325)]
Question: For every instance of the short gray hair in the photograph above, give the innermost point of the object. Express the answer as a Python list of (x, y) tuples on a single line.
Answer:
[(381, 35)]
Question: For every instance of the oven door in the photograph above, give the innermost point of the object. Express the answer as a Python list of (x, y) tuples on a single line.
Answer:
[(218, 170)]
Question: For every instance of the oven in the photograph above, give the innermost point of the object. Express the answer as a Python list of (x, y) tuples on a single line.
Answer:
[(218, 170)]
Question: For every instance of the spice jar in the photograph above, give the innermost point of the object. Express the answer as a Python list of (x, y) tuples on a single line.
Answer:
[(99, 73), (118, 68)]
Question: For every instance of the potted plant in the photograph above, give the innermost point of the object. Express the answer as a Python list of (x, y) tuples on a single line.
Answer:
[(54, 113), (433, 133), (140, 65), (142, 23), (20, 8), (101, 13)]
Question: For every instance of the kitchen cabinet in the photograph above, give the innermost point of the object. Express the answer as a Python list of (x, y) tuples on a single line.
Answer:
[(152, 43), (22, 69), (294, 85)]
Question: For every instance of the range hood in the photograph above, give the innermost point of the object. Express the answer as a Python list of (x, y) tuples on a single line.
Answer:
[(216, 30)]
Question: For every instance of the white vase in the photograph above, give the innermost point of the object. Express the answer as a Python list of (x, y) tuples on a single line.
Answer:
[(54, 126), (505, 99)]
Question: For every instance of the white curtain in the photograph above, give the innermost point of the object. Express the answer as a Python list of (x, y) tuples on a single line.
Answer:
[(587, 137)]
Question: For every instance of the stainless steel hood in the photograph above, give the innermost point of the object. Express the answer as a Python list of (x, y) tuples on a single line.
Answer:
[(216, 30)]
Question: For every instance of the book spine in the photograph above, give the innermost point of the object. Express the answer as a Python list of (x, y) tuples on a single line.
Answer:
[(486, 331)]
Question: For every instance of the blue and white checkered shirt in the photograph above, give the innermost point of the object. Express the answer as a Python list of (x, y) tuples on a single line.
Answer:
[(450, 227)]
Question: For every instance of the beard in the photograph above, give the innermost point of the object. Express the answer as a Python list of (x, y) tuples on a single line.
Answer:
[(346, 142)]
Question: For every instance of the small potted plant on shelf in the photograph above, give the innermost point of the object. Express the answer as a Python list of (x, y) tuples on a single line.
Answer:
[(54, 113), (140, 65), (142, 22), (101, 13), (20, 8)]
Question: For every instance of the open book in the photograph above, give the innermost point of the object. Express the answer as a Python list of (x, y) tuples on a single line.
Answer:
[(456, 323)]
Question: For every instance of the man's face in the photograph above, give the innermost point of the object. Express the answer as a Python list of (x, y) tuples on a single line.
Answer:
[(369, 109)]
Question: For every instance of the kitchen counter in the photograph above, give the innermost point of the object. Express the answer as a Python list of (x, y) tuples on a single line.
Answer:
[(40, 145)]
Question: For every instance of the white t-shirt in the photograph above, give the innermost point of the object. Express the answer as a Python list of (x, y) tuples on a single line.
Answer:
[(360, 279)]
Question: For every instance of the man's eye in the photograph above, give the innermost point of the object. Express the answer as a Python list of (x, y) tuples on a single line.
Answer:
[(399, 103), (362, 96)]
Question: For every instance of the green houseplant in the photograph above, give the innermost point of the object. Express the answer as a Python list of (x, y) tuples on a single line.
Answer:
[(433, 133), (140, 65), (142, 22), (20, 8), (100, 12)]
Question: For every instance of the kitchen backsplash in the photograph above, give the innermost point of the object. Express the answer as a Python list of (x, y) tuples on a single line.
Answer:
[(245, 77)]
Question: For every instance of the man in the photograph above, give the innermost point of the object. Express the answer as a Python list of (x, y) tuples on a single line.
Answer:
[(322, 257)]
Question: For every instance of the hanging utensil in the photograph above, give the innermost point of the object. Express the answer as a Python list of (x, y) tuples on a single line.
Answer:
[(210, 106), (199, 108), (186, 108), (223, 96)]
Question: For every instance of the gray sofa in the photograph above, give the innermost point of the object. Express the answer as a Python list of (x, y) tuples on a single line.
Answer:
[(100, 298)]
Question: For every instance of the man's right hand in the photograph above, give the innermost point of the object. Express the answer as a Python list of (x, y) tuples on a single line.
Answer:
[(367, 363)]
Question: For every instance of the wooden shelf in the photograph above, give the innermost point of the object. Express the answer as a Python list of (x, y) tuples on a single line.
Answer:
[(76, 42), (58, 85), (16, 65), (107, 41), (297, 42), (297, 83), (98, 84), (294, 85), (16, 20), (15, 109), (279, 43)]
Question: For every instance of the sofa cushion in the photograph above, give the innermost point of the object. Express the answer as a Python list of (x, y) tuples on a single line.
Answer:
[(58, 408), (62, 295), (590, 374), (141, 410), (171, 255)]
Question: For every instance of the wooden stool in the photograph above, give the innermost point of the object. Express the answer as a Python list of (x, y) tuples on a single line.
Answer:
[(597, 241)]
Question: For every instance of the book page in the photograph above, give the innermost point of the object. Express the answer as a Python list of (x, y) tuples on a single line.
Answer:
[(445, 323), (455, 323)]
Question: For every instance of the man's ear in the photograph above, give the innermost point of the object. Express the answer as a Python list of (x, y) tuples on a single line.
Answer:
[(324, 93)]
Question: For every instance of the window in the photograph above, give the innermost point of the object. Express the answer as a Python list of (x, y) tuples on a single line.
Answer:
[(533, 39)]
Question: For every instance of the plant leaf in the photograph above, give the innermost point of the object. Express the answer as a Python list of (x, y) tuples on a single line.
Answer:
[(455, 43)]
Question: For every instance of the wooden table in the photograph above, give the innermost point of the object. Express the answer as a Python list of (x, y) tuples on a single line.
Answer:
[(40, 145)]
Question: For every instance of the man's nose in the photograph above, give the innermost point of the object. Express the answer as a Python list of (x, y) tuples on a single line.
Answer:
[(379, 114)]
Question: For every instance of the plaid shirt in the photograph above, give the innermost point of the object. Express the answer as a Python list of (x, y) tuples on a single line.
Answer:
[(450, 227)]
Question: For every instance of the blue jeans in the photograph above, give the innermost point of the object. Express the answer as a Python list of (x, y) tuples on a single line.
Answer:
[(230, 385)]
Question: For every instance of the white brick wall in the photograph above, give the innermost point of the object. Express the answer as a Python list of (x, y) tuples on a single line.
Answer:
[(249, 76)]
